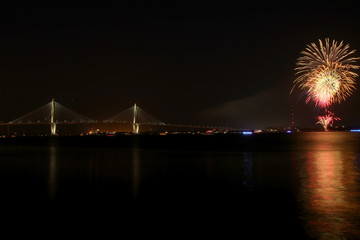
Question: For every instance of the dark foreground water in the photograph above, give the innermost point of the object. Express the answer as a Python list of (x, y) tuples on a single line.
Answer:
[(299, 186)]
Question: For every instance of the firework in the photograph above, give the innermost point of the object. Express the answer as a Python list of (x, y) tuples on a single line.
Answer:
[(327, 120), (326, 72)]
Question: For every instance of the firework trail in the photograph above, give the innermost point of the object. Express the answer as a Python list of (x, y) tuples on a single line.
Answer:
[(326, 73), (327, 120)]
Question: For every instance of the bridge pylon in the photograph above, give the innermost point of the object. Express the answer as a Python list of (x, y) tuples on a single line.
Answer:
[(136, 125), (52, 118)]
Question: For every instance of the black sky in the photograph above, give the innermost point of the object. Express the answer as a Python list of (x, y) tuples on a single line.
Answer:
[(180, 62)]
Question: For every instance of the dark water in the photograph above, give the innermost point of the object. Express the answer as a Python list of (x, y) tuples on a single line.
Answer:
[(301, 186)]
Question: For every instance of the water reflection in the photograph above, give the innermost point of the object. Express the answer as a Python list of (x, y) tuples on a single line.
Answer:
[(135, 172), (248, 170), (329, 194), (52, 182), (210, 166)]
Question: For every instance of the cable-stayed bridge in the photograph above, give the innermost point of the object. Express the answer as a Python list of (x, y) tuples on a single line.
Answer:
[(136, 116), (54, 114)]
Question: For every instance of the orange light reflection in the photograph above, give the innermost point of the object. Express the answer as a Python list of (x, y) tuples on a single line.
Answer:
[(329, 189)]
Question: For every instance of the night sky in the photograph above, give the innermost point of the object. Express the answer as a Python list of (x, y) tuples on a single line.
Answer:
[(185, 63)]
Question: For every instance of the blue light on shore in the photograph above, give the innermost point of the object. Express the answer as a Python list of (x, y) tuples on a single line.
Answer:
[(247, 133), (355, 130)]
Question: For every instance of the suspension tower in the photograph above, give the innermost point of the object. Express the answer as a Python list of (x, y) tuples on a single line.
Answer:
[(292, 118), (52, 118), (136, 125)]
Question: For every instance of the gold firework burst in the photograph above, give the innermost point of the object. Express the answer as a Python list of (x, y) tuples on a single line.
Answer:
[(326, 72)]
